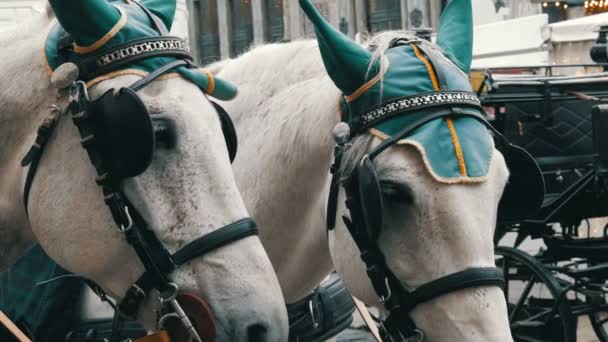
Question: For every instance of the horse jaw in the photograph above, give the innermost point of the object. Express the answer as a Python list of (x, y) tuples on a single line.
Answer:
[(447, 229), (187, 192)]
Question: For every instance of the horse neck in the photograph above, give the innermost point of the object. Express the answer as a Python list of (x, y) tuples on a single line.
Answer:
[(284, 115), (25, 98)]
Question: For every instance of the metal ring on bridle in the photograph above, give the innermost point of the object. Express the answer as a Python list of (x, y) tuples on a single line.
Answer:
[(172, 293), (160, 325)]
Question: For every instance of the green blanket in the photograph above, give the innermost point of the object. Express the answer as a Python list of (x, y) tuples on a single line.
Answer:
[(45, 310)]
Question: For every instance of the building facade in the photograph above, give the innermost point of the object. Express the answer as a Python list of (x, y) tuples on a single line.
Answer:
[(226, 28), (14, 11)]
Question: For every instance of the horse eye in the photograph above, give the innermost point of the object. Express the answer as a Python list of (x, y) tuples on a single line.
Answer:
[(395, 192), (164, 131)]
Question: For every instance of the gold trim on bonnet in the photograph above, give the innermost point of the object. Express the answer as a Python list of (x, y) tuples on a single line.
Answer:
[(211, 85), (427, 163), (364, 88), (462, 165), (449, 122), (428, 66), (135, 72), (119, 25)]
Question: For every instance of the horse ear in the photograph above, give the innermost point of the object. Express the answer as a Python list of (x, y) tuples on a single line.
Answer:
[(346, 62), (164, 9), (455, 35), (88, 21)]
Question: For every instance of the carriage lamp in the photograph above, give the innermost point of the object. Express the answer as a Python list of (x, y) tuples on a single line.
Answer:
[(599, 52)]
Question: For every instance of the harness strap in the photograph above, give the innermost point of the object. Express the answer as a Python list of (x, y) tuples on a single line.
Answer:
[(216, 239), (158, 24), (322, 314), (155, 74), (472, 277), (33, 156)]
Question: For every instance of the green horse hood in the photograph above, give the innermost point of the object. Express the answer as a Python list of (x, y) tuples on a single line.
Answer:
[(88, 28)]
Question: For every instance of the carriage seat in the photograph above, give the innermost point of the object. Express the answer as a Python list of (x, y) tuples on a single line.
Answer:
[(549, 116)]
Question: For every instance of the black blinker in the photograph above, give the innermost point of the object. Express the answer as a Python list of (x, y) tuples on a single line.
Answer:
[(124, 132), (370, 195)]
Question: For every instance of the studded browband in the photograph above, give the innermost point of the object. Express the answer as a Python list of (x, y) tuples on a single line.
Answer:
[(114, 58), (413, 103)]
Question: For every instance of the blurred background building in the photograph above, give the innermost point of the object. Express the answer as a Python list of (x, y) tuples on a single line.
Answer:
[(225, 28)]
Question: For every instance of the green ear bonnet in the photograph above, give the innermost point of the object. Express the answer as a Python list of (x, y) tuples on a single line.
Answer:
[(115, 23), (413, 73)]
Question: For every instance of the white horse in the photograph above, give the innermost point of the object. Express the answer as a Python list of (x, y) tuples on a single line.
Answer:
[(188, 191), (285, 112)]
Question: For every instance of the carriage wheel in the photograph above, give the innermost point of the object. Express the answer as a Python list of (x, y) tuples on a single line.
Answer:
[(538, 308), (599, 319)]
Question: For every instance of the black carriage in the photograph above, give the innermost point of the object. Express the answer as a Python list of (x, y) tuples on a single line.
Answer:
[(555, 266)]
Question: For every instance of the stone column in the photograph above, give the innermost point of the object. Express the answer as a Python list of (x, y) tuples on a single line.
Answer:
[(260, 27), (286, 21), (361, 16), (404, 15), (194, 29), (334, 13), (435, 12), (225, 27), (180, 23), (296, 20)]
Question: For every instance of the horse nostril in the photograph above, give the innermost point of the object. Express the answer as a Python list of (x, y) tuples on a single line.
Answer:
[(257, 333)]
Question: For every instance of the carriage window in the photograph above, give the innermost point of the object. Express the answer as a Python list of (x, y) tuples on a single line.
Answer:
[(384, 15), (274, 20), (418, 14), (209, 43), (242, 26)]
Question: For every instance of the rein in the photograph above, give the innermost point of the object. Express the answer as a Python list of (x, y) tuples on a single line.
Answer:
[(158, 262)]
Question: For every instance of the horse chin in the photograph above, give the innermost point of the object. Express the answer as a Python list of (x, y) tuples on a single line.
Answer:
[(249, 308), (471, 315)]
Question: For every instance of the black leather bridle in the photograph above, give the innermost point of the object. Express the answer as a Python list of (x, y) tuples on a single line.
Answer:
[(399, 301), (158, 262)]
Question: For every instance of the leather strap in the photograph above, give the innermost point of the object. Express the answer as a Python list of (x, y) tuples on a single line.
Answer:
[(473, 277), (158, 24), (367, 319), (231, 233), (322, 314), (156, 73)]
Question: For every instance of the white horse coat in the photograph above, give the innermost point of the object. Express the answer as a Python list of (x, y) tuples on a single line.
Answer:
[(284, 115), (187, 191)]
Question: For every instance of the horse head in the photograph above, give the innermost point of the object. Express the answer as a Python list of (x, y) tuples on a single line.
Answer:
[(420, 180), (149, 208)]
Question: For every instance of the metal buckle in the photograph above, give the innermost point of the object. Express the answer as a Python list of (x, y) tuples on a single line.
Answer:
[(79, 91), (311, 309), (384, 299), (178, 313), (129, 221)]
